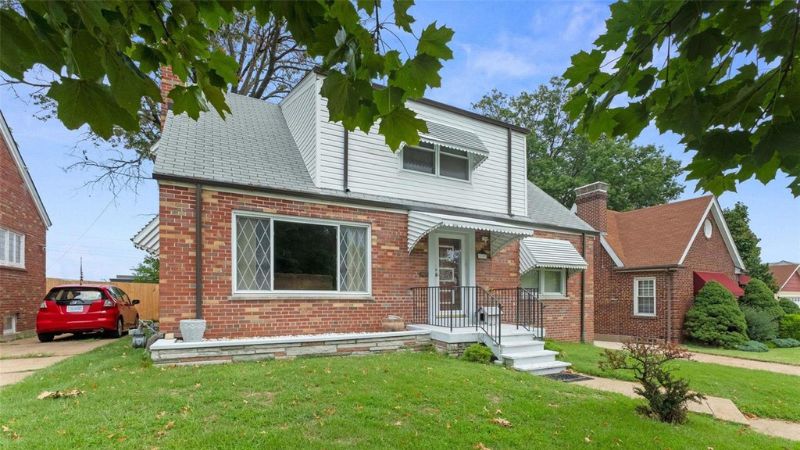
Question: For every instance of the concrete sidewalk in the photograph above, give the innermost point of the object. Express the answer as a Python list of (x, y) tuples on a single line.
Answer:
[(724, 360), (23, 357), (720, 408)]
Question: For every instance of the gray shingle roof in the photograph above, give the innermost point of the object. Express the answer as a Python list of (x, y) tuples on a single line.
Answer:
[(251, 146), (545, 210)]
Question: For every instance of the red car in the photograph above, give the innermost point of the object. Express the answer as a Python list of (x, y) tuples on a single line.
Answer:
[(85, 308)]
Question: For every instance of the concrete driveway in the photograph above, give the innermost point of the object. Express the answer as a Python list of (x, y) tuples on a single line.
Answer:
[(23, 357)]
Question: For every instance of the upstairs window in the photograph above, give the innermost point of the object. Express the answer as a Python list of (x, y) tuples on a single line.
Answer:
[(12, 249), (436, 159)]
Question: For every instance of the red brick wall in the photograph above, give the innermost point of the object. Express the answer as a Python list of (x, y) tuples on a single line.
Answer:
[(562, 316), (394, 271), (614, 291), (22, 289), (591, 203)]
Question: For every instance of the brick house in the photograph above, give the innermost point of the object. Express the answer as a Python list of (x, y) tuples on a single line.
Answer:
[(652, 261), (23, 227), (787, 275), (305, 228)]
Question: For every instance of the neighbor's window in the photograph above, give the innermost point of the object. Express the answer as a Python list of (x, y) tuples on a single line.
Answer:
[(274, 254), (437, 160), (9, 324), (644, 296), (12, 249), (549, 282)]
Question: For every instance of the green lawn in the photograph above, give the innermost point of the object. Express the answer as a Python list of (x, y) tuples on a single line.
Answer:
[(778, 355), (764, 394), (400, 400)]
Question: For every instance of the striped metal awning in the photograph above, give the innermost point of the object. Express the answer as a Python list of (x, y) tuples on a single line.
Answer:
[(422, 223), (147, 238), (548, 253), (454, 138)]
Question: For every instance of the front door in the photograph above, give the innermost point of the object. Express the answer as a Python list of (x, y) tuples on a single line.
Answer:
[(448, 272)]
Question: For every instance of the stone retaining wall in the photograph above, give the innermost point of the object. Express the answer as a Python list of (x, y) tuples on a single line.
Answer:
[(171, 352)]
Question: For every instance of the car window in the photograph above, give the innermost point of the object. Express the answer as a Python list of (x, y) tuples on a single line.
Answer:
[(124, 296), (84, 295)]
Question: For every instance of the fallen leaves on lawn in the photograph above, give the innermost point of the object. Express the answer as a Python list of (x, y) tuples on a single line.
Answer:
[(480, 446), (502, 422), (11, 433), (587, 439), (59, 394)]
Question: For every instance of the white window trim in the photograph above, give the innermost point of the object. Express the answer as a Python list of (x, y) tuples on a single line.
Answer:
[(5, 260), (298, 293), (436, 155), (13, 329), (562, 293), (636, 297)]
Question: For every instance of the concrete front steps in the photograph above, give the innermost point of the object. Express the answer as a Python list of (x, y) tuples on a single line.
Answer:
[(519, 349)]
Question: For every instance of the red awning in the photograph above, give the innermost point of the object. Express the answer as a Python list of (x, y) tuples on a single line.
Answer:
[(701, 278)]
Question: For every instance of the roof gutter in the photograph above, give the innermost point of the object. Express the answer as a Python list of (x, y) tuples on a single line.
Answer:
[(648, 268)]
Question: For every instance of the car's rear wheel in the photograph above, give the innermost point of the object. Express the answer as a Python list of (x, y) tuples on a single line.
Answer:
[(46, 337), (117, 332)]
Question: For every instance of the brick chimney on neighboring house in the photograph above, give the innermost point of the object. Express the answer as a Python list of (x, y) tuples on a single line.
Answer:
[(591, 202), (168, 81)]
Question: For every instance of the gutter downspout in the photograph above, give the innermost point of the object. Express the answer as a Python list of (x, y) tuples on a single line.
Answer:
[(198, 251), (509, 172), (669, 306), (583, 288), (345, 163)]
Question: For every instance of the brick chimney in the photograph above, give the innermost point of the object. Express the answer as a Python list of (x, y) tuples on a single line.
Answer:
[(591, 202), (168, 81)]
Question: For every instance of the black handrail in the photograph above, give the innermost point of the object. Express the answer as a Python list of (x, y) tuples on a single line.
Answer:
[(473, 306)]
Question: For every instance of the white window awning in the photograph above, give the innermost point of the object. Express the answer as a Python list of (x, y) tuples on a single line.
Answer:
[(147, 238), (548, 253), (456, 139), (422, 223)]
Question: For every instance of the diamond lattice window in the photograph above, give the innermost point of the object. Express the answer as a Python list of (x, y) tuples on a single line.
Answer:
[(253, 259), (353, 259)]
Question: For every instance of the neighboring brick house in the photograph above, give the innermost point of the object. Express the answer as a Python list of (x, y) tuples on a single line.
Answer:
[(306, 229), (787, 275), (23, 226), (652, 261)]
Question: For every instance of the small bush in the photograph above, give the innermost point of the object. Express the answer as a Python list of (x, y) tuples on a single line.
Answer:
[(785, 342), (758, 296), (478, 353), (752, 346), (760, 325), (790, 326), (666, 396), (715, 318), (789, 307)]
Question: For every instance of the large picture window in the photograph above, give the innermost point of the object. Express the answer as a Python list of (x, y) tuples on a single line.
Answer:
[(644, 296), (290, 255), (437, 160), (549, 282), (12, 249)]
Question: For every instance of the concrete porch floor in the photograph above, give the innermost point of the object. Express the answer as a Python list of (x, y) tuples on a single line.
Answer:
[(458, 335)]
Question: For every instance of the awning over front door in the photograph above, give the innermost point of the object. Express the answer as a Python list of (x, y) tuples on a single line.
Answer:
[(548, 253), (422, 223)]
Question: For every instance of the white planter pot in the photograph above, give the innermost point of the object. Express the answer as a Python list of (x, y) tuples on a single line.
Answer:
[(192, 330)]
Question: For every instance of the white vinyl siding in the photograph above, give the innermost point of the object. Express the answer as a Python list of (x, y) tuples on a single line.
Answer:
[(271, 257), (644, 296), (300, 110), (12, 249), (375, 169)]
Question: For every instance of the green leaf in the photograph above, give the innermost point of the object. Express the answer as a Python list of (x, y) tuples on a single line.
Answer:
[(128, 83), (401, 17), (401, 126), (387, 99), (705, 44), (85, 102), (224, 66), (418, 73), (189, 100), (583, 65), (342, 96), (433, 42)]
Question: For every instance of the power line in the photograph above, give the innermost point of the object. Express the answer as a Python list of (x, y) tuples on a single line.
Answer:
[(86, 230)]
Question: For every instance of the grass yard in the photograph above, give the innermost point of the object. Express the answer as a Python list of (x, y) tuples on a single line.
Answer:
[(777, 355), (764, 394), (400, 400)]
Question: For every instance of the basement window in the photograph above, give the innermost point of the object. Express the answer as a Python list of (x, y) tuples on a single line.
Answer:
[(295, 255)]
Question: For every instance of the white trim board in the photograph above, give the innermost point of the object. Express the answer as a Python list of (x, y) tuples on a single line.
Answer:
[(714, 208), (23, 170), (610, 251)]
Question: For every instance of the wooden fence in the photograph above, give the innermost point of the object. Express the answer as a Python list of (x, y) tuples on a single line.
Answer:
[(146, 293)]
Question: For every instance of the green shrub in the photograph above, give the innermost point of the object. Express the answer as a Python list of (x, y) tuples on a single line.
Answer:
[(789, 307), (478, 353), (752, 346), (758, 296), (715, 318), (785, 342), (790, 326), (760, 325)]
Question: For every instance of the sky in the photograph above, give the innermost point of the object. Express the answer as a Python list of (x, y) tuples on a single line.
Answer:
[(512, 46)]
